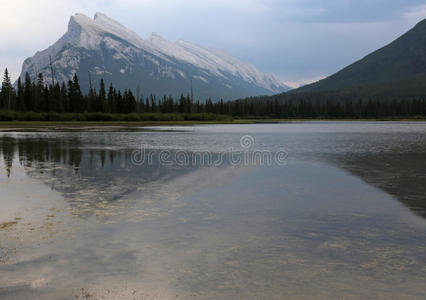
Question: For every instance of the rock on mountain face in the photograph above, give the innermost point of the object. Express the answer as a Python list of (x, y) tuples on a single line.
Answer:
[(106, 49)]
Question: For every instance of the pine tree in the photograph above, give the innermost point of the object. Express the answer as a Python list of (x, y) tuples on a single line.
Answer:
[(75, 97), (153, 103), (102, 103), (111, 99), (92, 101), (28, 93), (64, 98), (56, 101), (20, 101), (147, 106), (130, 103), (6, 91), (46, 99), (119, 102), (38, 94), (182, 104)]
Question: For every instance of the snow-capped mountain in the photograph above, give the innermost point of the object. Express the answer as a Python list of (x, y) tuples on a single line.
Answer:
[(103, 48)]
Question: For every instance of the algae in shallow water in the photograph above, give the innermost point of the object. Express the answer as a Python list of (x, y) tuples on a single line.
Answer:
[(8, 225)]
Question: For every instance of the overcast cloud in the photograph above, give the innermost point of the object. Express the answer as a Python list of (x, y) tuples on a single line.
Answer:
[(297, 40)]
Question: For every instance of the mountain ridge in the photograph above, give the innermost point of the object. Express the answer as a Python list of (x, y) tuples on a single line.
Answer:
[(401, 60), (106, 49)]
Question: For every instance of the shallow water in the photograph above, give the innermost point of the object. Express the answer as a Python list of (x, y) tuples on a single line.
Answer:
[(342, 216)]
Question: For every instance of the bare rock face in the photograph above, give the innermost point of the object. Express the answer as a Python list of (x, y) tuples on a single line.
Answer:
[(106, 49)]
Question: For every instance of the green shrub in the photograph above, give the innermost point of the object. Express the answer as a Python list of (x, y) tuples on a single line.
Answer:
[(108, 117)]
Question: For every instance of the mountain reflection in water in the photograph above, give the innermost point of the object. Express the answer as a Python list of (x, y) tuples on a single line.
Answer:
[(80, 218)]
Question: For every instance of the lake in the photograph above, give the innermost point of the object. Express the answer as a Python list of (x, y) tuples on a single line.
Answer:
[(309, 210)]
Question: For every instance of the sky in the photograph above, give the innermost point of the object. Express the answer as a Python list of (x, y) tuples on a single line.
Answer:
[(299, 41)]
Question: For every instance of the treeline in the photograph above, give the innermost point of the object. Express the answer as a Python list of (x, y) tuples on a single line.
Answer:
[(398, 99), (60, 98), (328, 109), (36, 100)]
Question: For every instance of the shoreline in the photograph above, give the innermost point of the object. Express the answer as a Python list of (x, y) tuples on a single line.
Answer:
[(7, 125)]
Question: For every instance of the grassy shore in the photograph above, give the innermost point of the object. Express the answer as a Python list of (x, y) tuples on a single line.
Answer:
[(47, 120), (12, 116), (36, 124), (7, 126)]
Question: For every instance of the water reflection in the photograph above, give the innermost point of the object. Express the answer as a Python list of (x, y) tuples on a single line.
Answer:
[(41, 153), (90, 179), (93, 171), (401, 175), (108, 228)]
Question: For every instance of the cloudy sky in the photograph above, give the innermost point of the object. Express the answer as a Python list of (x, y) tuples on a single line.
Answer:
[(297, 40)]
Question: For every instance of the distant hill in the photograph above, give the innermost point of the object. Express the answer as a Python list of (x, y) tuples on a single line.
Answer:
[(106, 49), (396, 70)]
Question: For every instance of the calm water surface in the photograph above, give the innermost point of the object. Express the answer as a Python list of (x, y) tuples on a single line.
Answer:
[(344, 217)]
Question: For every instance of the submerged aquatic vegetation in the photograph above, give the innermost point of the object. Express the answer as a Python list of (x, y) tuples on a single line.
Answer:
[(8, 225)]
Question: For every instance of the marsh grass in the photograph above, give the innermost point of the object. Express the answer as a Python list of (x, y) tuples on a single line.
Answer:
[(107, 117)]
